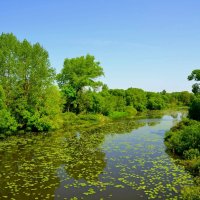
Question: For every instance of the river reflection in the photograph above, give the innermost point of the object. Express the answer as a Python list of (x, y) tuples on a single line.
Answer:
[(87, 160), (122, 160)]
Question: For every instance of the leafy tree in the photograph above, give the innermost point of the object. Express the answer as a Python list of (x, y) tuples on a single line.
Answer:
[(7, 122), (77, 74), (108, 102), (48, 113), (118, 92), (90, 102), (69, 94), (2, 98), (119, 99), (137, 98), (26, 76), (155, 101), (98, 102), (185, 97), (196, 88), (195, 75), (164, 92)]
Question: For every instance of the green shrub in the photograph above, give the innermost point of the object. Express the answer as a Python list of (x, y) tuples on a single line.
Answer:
[(196, 166), (156, 103), (191, 193), (130, 111), (89, 117), (182, 124), (191, 154), (36, 122), (183, 138), (194, 109), (69, 119), (117, 115), (7, 123)]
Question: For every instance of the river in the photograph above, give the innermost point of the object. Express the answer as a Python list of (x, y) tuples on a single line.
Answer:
[(93, 165)]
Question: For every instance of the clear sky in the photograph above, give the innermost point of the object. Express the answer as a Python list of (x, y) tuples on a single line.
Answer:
[(149, 44)]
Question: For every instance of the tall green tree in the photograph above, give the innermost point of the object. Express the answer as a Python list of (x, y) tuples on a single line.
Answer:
[(76, 75), (25, 75)]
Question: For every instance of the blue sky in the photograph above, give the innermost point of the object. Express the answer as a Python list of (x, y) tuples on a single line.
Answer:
[(148, 44)]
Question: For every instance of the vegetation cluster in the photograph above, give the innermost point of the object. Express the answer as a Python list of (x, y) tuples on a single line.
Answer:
[(184, 140), (34, 98)]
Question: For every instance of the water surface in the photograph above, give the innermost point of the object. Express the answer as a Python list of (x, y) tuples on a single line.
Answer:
[(93, 165)]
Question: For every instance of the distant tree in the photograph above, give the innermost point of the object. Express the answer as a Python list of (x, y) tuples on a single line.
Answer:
[(195, 75), (155, 101), (196, 88), (118, 92), (77, 74), (163, 92), (137, 98), (185, 97), (108, 102), (119, 99)]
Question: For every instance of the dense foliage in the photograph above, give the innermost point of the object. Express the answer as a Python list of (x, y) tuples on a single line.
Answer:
[(26, 80), (31, 101), (194, 109), (77, 74), (184, 140)]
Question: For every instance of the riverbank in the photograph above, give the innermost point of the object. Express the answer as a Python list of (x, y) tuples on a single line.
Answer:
[(183, 140), (69, 121)]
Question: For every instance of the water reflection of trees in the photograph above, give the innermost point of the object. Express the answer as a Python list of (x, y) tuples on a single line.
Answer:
[(28, 164), (86, 160)]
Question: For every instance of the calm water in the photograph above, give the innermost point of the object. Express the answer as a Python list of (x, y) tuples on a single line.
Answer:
[(85, 165)]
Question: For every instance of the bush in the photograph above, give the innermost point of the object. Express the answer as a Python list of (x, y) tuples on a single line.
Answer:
[(196, 166), (156, 103), (117, 115), (89, 117), (184, 138), (191, 193), (69, 119), (38, 123), (7, 123), (130, 111), (191, 154)]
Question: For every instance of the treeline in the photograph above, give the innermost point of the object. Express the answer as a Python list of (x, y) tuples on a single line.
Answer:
[(34, 98)]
